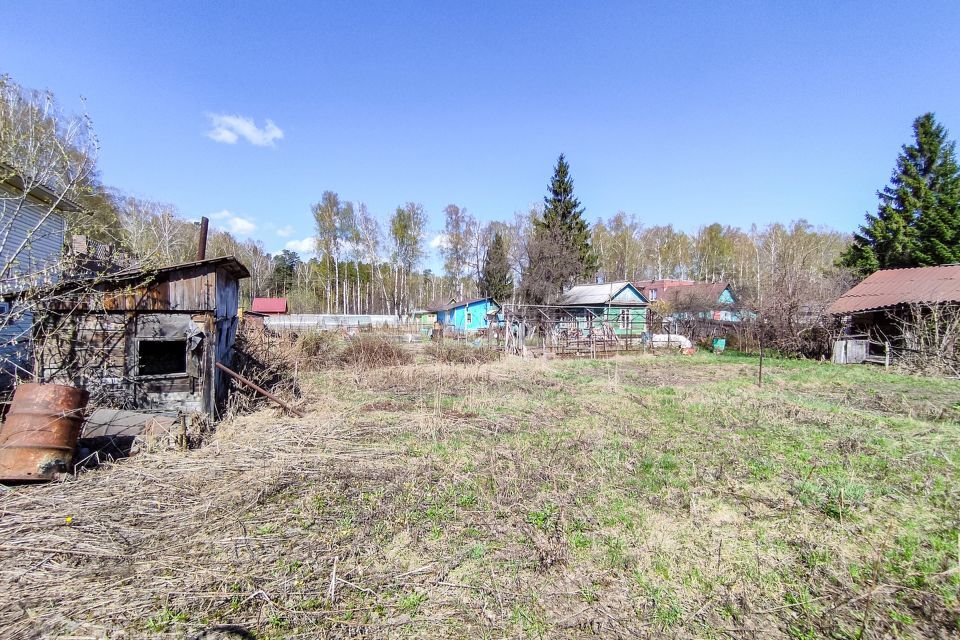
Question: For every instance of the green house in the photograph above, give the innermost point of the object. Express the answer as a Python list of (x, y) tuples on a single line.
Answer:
[(612, 306)]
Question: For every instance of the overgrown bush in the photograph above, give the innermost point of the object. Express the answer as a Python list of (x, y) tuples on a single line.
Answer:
[(457, 353), (373, 352), (321, 349)]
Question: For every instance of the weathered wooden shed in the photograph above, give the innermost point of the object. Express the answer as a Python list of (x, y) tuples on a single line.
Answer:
[(147, 339)]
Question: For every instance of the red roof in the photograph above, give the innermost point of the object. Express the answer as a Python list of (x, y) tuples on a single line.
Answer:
[(269, 305), (892, 287)]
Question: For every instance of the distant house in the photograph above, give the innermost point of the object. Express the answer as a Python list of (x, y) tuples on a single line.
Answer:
[(653, 290), (269, 306), (30, 255), (873, 311), (705, 300), (688, 299), (618, 306), (469, 316)]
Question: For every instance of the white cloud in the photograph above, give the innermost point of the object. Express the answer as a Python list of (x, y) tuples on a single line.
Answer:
[(439, 241), (236, 225), (285, 232), (306, 246), (228, 129)]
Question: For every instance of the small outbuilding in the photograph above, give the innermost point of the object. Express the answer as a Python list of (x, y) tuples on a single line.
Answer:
[(875, 312), (145, 339)]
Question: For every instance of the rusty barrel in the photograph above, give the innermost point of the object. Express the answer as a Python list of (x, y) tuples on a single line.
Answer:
[(40, 433)]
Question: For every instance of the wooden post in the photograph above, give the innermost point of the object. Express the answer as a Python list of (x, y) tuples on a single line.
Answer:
[(202, 243), (886, 355)]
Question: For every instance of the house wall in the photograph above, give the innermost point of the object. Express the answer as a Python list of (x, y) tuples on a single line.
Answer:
[(100, 352), (477, 311), (31, 222), (634, 322)]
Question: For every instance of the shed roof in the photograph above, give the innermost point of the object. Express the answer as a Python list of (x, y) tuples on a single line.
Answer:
[(228, 263), (598, 294), (892, 287), (140, 275), (269, 305)]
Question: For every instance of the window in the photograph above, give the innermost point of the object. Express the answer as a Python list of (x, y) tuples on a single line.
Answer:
[(469, 318), (161, 357), (624, 318), (4, 307), (653, 294)]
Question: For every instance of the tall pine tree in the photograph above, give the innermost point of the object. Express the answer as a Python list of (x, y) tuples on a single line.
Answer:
[(496, 280), (564, 214), (559, 252), (918, 219)]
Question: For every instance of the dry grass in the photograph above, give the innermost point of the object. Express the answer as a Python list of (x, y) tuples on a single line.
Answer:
[(374, 352), (636, 497), (457, 353)]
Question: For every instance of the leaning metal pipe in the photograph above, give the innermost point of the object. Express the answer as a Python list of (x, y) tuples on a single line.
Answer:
[(236, 376)]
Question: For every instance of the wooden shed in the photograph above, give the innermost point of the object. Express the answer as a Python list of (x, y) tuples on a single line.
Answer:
[(148, 339)]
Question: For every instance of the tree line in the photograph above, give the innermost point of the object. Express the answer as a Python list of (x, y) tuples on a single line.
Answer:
[(367, 264)]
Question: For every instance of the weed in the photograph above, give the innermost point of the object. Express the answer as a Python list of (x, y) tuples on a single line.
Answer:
[(532, 622), (410, 603), (542, 518), (165, 618)]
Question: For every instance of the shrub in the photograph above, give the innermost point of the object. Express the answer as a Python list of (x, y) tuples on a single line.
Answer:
[(321, 349), (374, 352)]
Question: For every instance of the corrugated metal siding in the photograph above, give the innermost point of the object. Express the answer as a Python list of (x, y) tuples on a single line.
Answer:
[(25, 220), (15, 338)]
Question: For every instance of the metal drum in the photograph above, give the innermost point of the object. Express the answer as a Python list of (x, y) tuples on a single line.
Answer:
[(40, 434)]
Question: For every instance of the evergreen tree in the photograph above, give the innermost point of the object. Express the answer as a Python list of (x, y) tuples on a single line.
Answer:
[(918, 219), (496, 280), (559, 252), (563, 213)]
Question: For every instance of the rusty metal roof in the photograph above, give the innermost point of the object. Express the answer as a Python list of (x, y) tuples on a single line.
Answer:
[(892, 287)]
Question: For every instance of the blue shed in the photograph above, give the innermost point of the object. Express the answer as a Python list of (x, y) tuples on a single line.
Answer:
[(468, 316)]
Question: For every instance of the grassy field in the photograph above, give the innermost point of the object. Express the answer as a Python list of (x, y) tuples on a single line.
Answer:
[(636, 497)]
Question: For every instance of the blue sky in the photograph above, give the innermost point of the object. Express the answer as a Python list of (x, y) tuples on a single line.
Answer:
[(678, 112)]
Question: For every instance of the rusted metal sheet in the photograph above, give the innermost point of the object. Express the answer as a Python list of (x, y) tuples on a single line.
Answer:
[(40, 434), (892, 287)]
